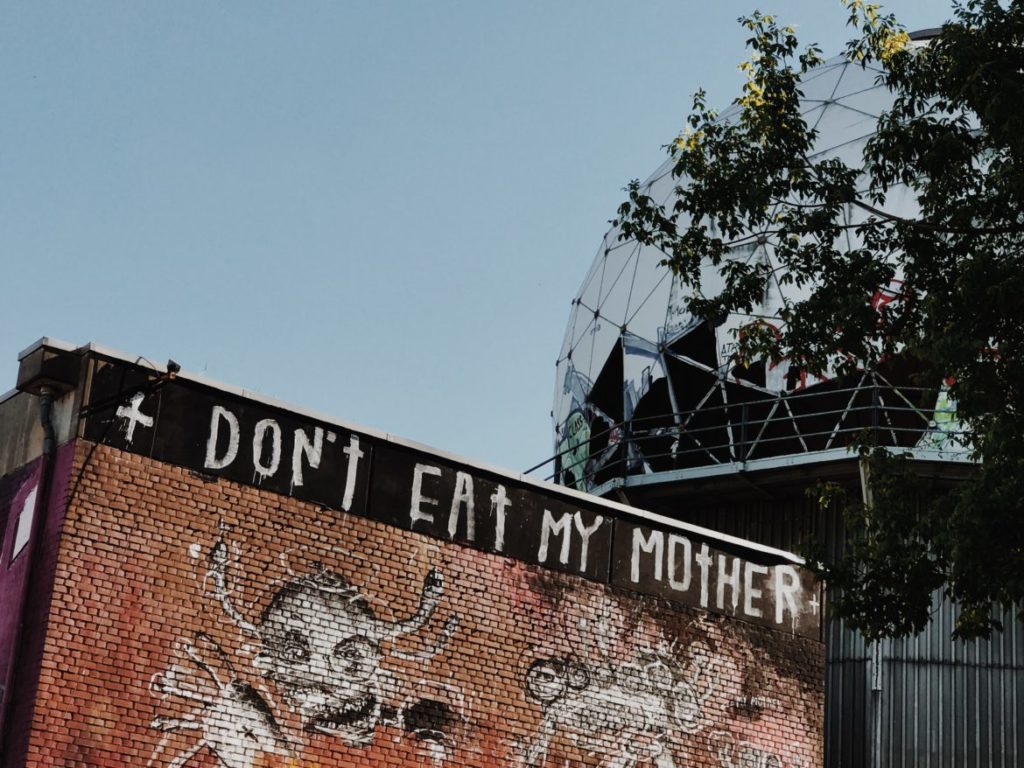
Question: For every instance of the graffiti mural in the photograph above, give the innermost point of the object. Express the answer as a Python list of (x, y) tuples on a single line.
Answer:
[(633, 684), (629, 713), (621, 688), (319, 645), (333, 662)]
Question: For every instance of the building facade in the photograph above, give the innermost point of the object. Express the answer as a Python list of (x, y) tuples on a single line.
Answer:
[(194, 576)]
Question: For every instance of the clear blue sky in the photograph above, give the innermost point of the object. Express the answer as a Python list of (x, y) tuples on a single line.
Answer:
[(380, 210)]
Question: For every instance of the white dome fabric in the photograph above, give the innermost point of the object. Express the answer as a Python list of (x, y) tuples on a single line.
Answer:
[(642, 386)]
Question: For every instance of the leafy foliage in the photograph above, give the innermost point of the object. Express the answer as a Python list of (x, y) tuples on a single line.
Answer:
[(954, 136)]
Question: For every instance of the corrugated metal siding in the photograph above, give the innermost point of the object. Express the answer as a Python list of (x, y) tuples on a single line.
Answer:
[(847, 711), (783, 523), (847, 697), (943, 703), (952, 703)]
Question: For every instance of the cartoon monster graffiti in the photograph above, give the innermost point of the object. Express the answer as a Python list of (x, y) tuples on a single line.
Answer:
[(233, 720), (627, 714), (320, 646)]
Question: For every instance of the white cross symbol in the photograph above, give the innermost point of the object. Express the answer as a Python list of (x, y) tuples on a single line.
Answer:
[(134, 415), (814, 605)]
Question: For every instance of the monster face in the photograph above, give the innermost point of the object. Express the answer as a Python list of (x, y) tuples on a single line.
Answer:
[(321, 645), (548, 680)]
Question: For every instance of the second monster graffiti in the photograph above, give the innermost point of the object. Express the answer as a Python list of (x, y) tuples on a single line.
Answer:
[(627, 714)]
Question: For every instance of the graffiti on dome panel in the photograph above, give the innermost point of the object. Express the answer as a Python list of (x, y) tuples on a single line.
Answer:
[(574, 449), (318, 645), (946, 432), (575, 465)]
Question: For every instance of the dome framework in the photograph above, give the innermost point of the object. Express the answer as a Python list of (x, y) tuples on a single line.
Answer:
[(643, 387)]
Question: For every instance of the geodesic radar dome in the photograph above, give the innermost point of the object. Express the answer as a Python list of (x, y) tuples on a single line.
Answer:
[(642, 386)]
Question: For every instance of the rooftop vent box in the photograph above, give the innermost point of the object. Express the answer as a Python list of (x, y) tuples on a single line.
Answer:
[(43, 365)]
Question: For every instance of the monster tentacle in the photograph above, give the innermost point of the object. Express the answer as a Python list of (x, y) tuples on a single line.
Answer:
[(537, 754), (184, 757), (433, 588), (193, 652), (180, 760), (176, 724), (161, 685), (218, 573), (442, 640), (703, 667)]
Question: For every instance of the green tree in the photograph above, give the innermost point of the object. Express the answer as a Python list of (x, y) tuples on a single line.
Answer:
[(955, 136)]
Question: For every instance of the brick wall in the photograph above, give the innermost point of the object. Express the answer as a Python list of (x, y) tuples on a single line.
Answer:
[(211, 623)]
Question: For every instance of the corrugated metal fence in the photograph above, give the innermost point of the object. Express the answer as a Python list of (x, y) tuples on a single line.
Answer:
[(926, 701)]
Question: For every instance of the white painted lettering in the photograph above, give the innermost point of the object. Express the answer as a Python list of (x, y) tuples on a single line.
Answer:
[(416, 512), (351, 470), (134, 416), (750, 593), (561, 527), (732, 581), (787, 585), (499, 503), (258, 438), (653, 544), (585, 534), (312, 451), (704, 562), (463, 497), (675, 540), (212, 460)]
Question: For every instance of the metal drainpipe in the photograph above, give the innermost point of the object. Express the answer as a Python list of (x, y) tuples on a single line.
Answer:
[(875, 647), (46, 398)]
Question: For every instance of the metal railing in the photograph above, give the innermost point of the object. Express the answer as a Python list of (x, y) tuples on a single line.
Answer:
[(772, 427)]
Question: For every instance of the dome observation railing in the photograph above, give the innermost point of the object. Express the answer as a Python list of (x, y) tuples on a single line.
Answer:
[(815, 424)]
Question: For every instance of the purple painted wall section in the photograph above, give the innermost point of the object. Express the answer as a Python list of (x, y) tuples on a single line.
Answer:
[(16, 489)]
